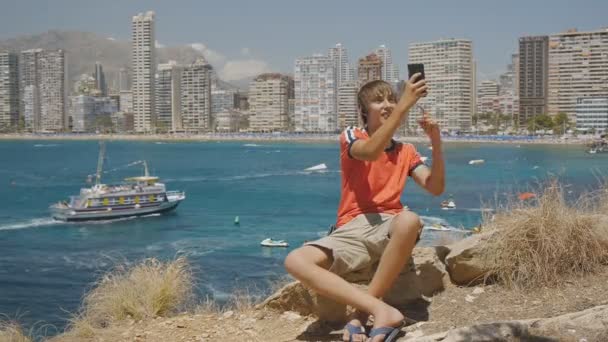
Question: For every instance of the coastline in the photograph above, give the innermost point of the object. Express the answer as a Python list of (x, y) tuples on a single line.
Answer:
[(287, 137)]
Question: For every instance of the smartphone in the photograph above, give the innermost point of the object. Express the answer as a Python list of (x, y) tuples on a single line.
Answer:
[(415, 68)]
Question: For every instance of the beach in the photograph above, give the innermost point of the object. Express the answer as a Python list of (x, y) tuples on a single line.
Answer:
[(294, 137)]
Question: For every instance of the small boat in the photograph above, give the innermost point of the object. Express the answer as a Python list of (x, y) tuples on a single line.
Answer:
[(448, 204), (526, 195), (476, 161), (237, 221), (274, 243), (320, 167), (438, 227), (592, 151)]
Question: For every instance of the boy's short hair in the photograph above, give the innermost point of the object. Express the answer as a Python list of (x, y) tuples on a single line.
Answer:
[(370, 91)]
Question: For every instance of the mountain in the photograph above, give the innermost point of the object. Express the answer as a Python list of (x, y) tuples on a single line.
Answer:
[(83, 49)]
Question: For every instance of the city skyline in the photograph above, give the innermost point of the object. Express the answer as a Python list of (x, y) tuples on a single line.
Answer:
[(242, 46)]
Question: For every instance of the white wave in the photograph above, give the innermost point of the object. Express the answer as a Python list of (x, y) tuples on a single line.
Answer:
[(117, 219), (46, 145), (33, 223), (252, 145), (482, 210), (249, 176)]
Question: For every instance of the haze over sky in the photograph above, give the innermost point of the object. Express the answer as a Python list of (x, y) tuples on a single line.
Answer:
[(242, 38)]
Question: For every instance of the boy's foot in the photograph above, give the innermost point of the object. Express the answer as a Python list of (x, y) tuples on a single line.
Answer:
[(354, 331), (390, 318)]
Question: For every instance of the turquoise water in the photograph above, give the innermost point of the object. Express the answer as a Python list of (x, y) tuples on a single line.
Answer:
[(47, 266)]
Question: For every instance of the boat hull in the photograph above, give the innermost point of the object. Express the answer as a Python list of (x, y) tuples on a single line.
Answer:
[(72, 215)]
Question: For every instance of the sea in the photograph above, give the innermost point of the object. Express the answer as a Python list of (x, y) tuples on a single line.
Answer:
[(47, 266)]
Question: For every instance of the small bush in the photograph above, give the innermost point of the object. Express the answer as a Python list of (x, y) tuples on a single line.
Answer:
[(539, 242), (149, 289), (12, 332)]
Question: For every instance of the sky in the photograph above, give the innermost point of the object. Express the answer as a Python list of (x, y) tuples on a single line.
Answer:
[(242, 38)]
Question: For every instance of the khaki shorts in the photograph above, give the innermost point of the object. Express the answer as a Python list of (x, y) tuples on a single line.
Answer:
[(358, 243)]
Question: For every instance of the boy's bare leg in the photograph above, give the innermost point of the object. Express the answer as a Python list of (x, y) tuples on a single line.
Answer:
[(403, 232), (309, 265)]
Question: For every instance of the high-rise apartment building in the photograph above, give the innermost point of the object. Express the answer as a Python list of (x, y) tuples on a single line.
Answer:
[(42, 90), (123, 80), (269, 102), (449, 72), (390, 71), (578, 68), (533, 75), (487, 98), (9, 92), (344, 70), (347, 105), (592, 114), (86, 112), (167, 101), (144, 65), (369, 69), (315, 94), (100, 79), (196, 97)]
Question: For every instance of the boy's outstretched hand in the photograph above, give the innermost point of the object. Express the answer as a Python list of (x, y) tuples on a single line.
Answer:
[(430, 126), (415, 88)]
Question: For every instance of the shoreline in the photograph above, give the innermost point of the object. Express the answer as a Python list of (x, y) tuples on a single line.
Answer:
[(285, 137)]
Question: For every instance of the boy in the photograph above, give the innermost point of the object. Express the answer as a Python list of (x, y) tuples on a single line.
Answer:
[(372, 224)]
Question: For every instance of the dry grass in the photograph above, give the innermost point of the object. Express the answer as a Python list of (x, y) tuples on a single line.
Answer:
[(146, 290), (539, 242), (12, 332)]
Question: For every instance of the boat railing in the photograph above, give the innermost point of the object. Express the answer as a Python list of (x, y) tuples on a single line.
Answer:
[(174, 193)]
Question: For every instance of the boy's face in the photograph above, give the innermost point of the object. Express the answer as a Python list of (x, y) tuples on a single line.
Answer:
[(379, 110)]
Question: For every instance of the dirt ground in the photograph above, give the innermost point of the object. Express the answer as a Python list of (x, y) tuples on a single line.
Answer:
[(455, 307)]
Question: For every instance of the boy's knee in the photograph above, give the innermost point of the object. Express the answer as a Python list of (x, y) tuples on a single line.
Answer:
[(406, 223), (292, 261), (305, 258)]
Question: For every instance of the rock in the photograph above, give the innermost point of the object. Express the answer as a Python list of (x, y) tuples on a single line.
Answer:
[(464, 262), (470, 298), (589, 325), (478, 290), (291, 316), (425, 275), (228, 314)]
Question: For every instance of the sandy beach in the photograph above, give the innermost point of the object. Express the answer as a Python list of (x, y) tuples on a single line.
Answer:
[(289, 137)]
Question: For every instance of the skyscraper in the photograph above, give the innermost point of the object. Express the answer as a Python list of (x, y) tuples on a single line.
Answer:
[(344, 70), (347, 105), (9, 92), (196, 96), (370, 69), (578, 69), (487, 97), (144, 65), (268, 102), (533, 75), (390, 71), (100, 79), (315, 94), (42, 90), (123, 80), (167, 101), (449, 72)]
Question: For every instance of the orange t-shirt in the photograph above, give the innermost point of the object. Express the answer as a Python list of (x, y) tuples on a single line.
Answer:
[(373, 186)]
